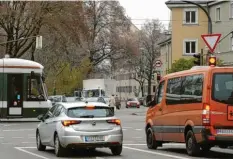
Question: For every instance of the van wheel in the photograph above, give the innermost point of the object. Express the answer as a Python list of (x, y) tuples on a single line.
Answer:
[(116, 151), (150, 139), (192, 147)]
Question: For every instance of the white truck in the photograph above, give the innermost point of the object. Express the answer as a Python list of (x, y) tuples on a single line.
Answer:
[(98, 88)]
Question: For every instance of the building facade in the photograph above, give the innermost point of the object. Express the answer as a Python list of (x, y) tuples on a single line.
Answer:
[(188, 23), (165, 56), (221, 13)]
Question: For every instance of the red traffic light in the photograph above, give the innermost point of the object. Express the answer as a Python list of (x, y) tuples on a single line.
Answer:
[(212, 61)]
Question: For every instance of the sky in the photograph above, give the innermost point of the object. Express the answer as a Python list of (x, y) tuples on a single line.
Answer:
[(140, 10)]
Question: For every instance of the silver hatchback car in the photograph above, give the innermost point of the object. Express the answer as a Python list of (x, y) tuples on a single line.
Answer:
[(79, 125)]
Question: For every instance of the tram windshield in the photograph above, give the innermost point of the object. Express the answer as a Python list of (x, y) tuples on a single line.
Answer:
[(36, 90)]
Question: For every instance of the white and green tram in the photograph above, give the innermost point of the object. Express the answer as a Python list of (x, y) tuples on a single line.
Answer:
[(23, 93)]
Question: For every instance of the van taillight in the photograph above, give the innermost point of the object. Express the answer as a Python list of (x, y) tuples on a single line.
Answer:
[(206, 115)]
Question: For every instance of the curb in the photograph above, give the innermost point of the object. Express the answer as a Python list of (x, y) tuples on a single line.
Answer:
[(22, 120)]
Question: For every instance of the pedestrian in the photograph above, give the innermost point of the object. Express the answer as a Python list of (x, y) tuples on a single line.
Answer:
[(112, 101)]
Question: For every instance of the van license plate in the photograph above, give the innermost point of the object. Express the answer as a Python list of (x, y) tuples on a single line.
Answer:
[(225, 131), (94, 138)]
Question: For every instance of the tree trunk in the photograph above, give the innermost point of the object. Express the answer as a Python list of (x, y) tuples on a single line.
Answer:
[(142, 89), (149, 86)]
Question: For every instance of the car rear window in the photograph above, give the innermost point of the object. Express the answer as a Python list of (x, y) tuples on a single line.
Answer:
[(222, 90), (84, 112)]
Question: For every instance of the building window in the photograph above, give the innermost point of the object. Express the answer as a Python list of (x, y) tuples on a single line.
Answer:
[(190, 47), (231, 10), (190, 16), (218, 14)]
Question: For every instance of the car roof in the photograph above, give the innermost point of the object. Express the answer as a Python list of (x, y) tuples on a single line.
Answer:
[(82, 103)]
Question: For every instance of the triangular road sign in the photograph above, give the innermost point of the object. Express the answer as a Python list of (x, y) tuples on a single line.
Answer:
[(211, 40)]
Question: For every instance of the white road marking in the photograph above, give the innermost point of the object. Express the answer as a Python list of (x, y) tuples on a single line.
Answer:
[(20, 130), (127, 127), (31, 137), (28, 142), (155, 153), (17, 137), (137, 137), (33, 154), (124, 129), (1, 137), (7, 143), (7, 125), (138, 129)]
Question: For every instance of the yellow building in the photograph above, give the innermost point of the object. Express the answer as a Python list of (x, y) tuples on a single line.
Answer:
[(188, 23)]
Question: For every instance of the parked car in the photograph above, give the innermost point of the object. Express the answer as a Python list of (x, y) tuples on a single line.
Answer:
[(94, 99), (72, 125), (57, 98), (132, 102)]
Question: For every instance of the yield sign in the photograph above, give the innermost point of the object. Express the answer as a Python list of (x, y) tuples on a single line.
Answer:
[(211, 40)]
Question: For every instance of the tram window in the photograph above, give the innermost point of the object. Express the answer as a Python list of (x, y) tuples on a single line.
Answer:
[(35, 89)]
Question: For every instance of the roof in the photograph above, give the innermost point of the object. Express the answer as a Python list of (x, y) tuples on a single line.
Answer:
[(195, 69), (19, 63), (81, 104), (181, 2), (165, 41)]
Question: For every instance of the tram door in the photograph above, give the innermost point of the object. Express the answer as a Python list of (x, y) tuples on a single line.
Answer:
[(15, 95)]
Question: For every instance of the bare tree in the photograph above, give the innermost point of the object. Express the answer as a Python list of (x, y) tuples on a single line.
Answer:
[(151, 35), (103, 18), (20, 20)]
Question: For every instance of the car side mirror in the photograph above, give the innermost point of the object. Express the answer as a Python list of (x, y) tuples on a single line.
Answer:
[(41, 117)]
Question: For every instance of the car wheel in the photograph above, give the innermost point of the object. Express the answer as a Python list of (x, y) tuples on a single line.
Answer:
[(59, 150), (150, 139), (116, 150), (192, 147), (205, 148), (39, 145)]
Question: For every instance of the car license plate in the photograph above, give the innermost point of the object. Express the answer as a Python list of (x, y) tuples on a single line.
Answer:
[(225, 131), (94, 138)]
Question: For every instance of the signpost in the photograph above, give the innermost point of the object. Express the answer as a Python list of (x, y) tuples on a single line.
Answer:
[(158, 63), (211, 41)]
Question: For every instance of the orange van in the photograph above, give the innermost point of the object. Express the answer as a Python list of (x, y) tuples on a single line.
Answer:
[(193, 107)]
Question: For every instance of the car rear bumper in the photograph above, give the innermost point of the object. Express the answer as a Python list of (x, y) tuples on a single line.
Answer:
[(208, 138), (72, 138)]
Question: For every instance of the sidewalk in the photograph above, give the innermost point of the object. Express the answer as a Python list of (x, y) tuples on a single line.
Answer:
[(20, 120)]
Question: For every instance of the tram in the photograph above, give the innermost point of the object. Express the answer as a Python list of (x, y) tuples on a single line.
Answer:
[(23, 93)]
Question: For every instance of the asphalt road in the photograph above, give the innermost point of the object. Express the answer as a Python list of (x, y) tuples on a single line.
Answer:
[(17, 140)]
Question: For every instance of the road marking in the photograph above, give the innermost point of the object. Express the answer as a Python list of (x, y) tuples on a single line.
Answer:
[(21, 130), (28, 142), (137, 137), (155, 153), (31, 137), (127, 127), (17, 137), (134, 144), (138, 129), (1, 137), (33, 154), (124, 129)]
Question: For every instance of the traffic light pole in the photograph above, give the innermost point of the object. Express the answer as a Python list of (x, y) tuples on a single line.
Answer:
[(202, 57)]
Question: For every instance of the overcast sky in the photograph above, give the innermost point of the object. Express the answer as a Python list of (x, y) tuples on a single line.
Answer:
[(140, 10)]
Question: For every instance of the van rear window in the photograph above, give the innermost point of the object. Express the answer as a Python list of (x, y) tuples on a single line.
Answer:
[(222, 88)]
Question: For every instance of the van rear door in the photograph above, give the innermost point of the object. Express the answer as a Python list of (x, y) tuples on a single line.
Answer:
[(221, 103)]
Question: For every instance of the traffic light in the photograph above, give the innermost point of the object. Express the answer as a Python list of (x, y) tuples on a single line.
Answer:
[(212, 61), (197, 60)]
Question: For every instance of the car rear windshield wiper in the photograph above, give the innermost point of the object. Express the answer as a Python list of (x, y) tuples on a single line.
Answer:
[(87, 116)]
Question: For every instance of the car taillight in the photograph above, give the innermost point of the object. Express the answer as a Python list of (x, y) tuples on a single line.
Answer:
[(70, 122), (206, 115), (114, 121)]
